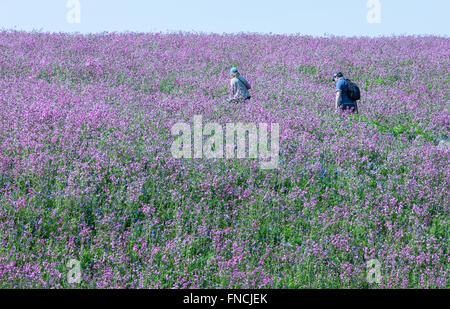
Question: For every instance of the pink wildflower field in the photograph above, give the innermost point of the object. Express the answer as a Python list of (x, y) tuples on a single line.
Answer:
[(87, 173)]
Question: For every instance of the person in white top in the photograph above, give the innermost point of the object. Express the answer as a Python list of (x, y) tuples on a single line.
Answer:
[(239, 87)]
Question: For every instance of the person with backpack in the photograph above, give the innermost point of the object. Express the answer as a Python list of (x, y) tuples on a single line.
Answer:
[(239, 87), (347, 94)]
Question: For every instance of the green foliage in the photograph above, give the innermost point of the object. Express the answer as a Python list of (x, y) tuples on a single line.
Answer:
[(307, 70), (168, 85)]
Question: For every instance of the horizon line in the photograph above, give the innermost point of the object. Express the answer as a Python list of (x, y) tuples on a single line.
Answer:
[(185, 32)]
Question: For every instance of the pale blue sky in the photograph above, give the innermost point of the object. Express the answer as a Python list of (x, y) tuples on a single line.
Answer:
[(311, 17)]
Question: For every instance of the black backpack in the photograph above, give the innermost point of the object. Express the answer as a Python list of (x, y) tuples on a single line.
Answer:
[(353, 91)]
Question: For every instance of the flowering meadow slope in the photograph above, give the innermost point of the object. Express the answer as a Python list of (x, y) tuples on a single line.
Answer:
[(86, 170)]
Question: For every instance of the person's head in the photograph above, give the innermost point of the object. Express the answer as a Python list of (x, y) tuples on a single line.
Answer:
[(234, 72), (337, 75)]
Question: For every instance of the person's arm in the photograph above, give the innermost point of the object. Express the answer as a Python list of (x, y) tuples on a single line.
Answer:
[(338, 99), (339, 90), (232, 90)]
